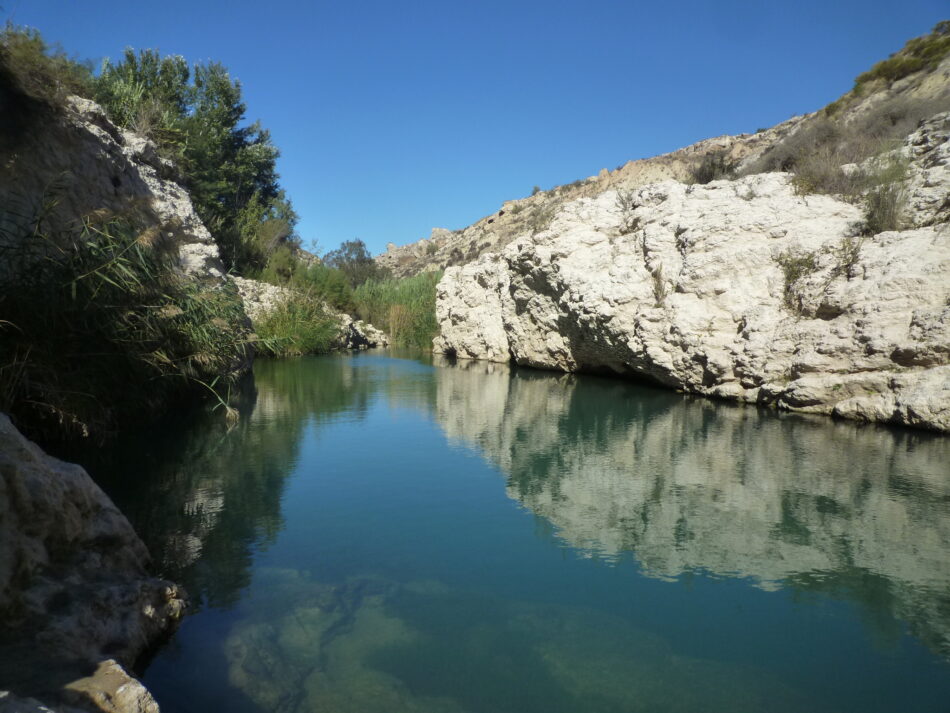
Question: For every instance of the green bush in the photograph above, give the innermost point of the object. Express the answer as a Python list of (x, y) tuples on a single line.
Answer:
[(795, 266), (298, 325), (34, 69), (356, 262), (919, 53), (403, 308), (99, 328), (327, 283), (714, 166)]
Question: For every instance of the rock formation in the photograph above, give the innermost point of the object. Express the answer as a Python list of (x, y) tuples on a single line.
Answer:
[(77, 603), (880, 108), (78, 163), (740, 289)]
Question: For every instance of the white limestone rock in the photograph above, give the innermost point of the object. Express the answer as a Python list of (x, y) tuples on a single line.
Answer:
[(74, 589), (687, 288)]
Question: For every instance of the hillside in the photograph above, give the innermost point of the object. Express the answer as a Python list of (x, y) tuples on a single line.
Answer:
[(805, 268), (885, 105)]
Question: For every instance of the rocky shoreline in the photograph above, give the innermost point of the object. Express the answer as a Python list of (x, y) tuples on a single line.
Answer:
[(78, 603), (742, 289)]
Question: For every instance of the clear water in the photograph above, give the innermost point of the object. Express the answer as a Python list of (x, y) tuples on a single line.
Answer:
[(388, 534)]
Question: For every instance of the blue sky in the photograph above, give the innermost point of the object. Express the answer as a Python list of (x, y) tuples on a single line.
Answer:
[(397, 117)]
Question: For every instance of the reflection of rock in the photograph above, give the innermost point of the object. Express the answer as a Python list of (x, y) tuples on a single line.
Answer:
[(207, 495), (74, 590), (369, 645), (689, 485)]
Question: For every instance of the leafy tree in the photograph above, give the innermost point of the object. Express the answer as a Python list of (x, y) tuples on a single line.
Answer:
[(197, 118), (355, 262)]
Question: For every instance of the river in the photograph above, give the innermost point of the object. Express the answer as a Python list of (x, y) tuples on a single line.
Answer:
[(388, 532)]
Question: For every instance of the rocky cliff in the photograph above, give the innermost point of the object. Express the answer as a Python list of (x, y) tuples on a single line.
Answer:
[(75, 163), (741, 289), (77, 604)]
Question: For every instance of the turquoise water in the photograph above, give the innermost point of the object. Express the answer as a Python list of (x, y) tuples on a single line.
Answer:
[(392, 534)]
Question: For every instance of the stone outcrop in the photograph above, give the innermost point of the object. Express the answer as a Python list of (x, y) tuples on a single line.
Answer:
[(532, 214), (80, 164), (262, 297), (740, 289), (76, 601)]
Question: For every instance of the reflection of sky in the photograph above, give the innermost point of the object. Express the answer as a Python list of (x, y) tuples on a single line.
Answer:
[(565, 492)]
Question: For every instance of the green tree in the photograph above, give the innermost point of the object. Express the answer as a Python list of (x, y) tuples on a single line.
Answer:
[(354, 260), (197, 117)]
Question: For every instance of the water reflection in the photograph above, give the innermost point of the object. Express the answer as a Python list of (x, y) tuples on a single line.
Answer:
[(684, 485), (204, 495), (346, 560)]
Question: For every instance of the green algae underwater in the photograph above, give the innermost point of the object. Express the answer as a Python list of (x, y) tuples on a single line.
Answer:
[(393, 532)]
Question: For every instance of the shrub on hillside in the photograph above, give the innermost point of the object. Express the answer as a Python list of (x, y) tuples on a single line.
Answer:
[(714, 166), (919, 53)]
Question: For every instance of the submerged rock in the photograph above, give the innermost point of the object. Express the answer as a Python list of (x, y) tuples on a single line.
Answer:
[(76, 600), (740, 289)]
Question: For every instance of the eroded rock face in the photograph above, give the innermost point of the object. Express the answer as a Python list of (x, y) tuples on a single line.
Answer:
[(81, 164), (74, 590), (736, 289)]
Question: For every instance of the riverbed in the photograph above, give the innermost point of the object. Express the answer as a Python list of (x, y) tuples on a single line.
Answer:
[(394, 532)]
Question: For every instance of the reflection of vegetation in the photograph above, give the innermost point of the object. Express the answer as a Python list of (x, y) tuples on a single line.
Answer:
[(211, 495)]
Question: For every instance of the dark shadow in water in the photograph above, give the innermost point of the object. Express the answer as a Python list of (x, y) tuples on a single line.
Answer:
[(205, 495)]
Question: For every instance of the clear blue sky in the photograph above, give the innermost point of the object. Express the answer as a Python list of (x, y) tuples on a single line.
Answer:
[(396, 117)]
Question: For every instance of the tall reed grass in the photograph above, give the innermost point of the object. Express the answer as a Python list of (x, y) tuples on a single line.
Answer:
[(298, 325), (98, 327), (403, 308)]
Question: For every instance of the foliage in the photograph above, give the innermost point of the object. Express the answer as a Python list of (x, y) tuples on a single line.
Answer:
[(403, 308), (196, 117), (355, 261), (714, 165), (795, 266), (298, 325), (919, 53), (31, 68), (99, 327), (883, 207), (627, 205), (328, 283)]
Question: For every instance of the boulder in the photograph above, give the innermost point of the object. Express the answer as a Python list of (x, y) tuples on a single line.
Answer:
[(74, 586)]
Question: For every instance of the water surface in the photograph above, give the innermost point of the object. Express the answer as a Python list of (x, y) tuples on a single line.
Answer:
[(389, 534)]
